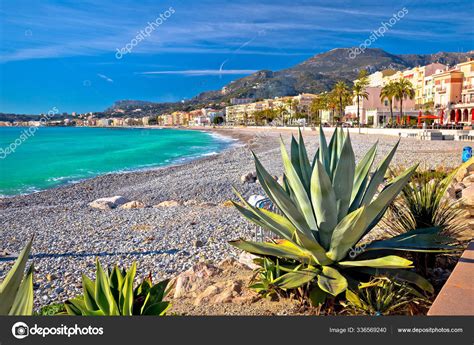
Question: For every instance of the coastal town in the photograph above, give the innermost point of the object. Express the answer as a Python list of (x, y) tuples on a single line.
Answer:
[(435, 94)]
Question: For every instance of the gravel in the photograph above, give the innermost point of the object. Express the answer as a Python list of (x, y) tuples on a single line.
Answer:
[(70, 235)]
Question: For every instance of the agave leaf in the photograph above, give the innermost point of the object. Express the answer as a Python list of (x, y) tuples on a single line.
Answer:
[(353, 298), (378, 176), (75, 306), (401, 275), (333, 154), (305, 166), (284, 249), (285, 229), (126, 296), (12, 281), (298, 188), (343, 180), (103, 295), (88, 286), (116, 282), (331, 281), (158, 308), (296, 279), (415, 241), (390, 261), (323, 153), (155, 295), (361, 176), (317, 296), (280, 198), (347, 233), (324, 204), (23, 303), (274, 222), (377, 208), (295, 155)]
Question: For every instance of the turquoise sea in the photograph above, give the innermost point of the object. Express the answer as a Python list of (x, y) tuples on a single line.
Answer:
[(56, 156)]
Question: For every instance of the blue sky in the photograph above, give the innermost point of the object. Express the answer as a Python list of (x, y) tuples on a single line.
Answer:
[(63, 53)]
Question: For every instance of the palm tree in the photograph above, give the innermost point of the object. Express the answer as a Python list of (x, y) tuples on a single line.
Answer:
[(342, 93), (331, 102), (317, 104), (403, 90), (388, 92), (359, 92)]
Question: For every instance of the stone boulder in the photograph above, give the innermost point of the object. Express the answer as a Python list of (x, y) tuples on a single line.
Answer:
[(108, 203), (168, 203), (468, 196), (192, 279), (133, 204)]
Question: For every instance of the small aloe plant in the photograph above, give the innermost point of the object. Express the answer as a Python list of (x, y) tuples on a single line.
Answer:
[(325, 208), (16, 291), (112, 294)]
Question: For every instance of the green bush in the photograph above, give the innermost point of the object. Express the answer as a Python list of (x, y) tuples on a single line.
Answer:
[(382, 296)]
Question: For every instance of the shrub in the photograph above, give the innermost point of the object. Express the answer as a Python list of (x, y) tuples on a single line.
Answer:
[(422, 204), (382, 296)]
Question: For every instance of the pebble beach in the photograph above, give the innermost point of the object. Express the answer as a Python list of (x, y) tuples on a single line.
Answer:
[(69, 235)]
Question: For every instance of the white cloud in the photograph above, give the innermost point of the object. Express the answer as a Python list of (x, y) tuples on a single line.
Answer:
[(202, 72)]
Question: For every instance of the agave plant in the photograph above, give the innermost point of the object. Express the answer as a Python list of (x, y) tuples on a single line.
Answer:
[(382, 296), (325, 207), (16, 291), (422, 204), (113, 294)]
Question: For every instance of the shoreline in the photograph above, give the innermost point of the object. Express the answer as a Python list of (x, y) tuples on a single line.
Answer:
[(232, 139)]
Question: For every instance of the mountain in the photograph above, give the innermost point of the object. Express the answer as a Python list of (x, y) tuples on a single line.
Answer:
[(317, 74)]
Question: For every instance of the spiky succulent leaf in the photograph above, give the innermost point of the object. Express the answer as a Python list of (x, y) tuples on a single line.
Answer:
[(378, 176), (23, 303), (296, 278), (282, 249), (343, 180), (331, 281), (301, 194), (390, 261), (280, 198), (324, 204), (11, 284)]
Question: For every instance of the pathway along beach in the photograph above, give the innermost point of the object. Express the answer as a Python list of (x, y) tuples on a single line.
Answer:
[(70, 235)]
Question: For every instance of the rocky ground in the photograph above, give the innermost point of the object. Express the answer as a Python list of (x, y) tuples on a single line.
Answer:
[(193, 224)]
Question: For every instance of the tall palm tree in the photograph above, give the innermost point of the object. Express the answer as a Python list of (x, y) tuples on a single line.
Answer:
[(359, 93), (342, 93), (403, 90), (388, 92), (332, 103)]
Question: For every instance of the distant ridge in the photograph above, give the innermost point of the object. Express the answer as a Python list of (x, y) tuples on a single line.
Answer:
[(314, 75)]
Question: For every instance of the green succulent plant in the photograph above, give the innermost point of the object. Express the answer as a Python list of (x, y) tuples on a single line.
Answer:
[(422, 204), (16, 291), (112, 294), (325, 207), (382, 296)]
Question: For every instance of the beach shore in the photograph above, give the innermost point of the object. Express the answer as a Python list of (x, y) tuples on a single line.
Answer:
[(70, 235)]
